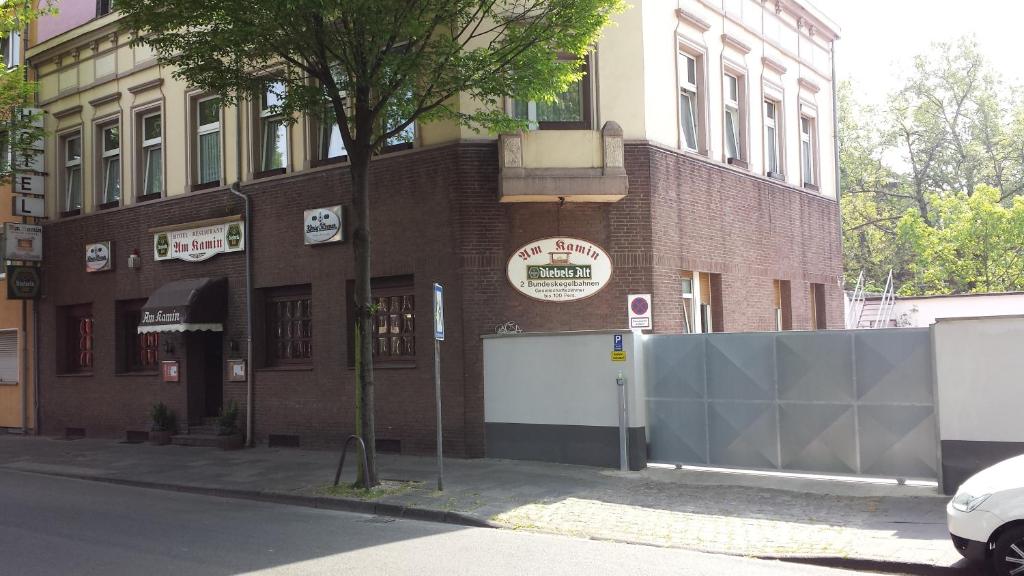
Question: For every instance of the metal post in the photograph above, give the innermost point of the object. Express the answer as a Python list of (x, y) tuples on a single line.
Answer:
[(620, 381), (437, 393)]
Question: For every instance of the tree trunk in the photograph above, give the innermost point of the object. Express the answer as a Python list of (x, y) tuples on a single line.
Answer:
[(363, 333)]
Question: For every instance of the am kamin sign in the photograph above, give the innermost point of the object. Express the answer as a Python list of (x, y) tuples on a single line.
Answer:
[(201, 243), (559, 269)]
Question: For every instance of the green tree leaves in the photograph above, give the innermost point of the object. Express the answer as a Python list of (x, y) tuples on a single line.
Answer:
[(953, 131)]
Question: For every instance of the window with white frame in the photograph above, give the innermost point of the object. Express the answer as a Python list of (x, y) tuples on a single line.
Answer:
[(72, 155), (207, 152), (734, 144), (152, 154), (329, 142), (807, 150), (104, 7), (772, 126), (11, 49), (689, 91), (110, 164), (273, 130)]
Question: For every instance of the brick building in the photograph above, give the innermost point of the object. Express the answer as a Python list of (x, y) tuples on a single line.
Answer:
[(702, 169)]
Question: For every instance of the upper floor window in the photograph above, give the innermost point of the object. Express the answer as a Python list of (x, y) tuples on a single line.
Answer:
[(735, 135), (105, 7), (772, 145), (569, 110), (273, 130), (807, 151), (72, 184), (329, 143), (688, 101), (110, 164), (207, 153), (10, 49), (152, 155)]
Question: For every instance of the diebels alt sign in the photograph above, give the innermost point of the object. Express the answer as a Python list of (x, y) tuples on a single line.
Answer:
[(323, 225), (198, 244), (559, 269), (23, 283)]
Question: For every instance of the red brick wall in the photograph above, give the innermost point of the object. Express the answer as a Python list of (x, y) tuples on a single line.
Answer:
[(435, 216)]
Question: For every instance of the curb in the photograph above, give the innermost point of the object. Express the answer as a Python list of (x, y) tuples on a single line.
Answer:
[(869, 565), (321, 502)]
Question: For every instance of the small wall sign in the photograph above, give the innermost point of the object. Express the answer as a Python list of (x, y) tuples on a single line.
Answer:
[(198, 244), (323, 225), (23, 242), (23, 283), (169, 370), (98, 258), (640, 316), (236, 370), (559, 269)]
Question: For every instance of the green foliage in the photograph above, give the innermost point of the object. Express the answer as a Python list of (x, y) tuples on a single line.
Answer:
[(227, 421), (163, 418), (976, 245), (955, 128), (380, 64), (15, 90)]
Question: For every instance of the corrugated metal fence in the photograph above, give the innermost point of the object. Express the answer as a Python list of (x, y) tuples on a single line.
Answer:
[(846, 402)]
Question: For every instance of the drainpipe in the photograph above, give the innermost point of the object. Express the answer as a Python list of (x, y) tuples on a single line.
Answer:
[(236, 190), (835, 138)]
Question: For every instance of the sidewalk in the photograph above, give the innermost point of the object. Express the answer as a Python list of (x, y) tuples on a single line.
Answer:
[(879, 527)]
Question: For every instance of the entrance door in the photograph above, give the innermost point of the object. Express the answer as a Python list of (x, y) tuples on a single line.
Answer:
[(205, 375)]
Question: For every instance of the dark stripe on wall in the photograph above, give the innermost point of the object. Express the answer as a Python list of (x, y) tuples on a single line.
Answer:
[(586, 445), (963, 458)]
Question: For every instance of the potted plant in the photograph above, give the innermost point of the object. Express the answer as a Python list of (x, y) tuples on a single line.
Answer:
[(164, 424), (229, 436)]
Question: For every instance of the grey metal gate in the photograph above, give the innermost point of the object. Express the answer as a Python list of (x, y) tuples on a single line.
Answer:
[(847, 402)]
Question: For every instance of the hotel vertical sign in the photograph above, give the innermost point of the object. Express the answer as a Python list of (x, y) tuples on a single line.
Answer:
[(559, 269)]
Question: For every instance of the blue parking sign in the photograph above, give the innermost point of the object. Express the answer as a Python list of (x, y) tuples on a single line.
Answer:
[(438, 312), (617, 343)]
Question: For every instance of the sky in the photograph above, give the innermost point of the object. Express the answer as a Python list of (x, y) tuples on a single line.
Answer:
[(879, 38)]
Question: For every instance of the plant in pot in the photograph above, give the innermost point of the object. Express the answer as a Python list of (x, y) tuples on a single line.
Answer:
[(229, 436), (164, 424)]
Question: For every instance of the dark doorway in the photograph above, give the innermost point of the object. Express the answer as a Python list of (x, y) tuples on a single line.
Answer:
[(205, 375)]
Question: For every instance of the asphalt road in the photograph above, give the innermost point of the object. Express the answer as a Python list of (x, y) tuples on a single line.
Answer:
[(52, 525)]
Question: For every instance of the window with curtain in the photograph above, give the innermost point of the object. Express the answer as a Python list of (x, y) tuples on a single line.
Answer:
[(12, 49), (141, 351), (329, 142), (110, 164), (73, 173), (208, 140), (77, 338), (273, 129), (152, 155), (733, 142), (771, 137), (688, 112)]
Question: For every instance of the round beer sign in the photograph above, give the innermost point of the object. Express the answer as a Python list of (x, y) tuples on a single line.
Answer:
[(559, 269)]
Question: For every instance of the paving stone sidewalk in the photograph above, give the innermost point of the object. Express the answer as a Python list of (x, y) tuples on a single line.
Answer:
[(711, 511)]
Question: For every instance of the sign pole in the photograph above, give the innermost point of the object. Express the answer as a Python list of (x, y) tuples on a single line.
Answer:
[(438, 337)]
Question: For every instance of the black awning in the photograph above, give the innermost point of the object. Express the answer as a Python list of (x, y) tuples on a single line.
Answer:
[(182, 305)]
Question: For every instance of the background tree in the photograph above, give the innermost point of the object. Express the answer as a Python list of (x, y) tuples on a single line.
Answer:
[(375, 66), (977, 247), (953, 127)]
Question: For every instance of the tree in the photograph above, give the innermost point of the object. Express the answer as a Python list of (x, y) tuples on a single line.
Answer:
[(977, 244), (954, 126), (376, 66)]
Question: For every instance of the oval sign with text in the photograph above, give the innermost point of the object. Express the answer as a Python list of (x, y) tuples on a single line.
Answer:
[(559, 269)]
